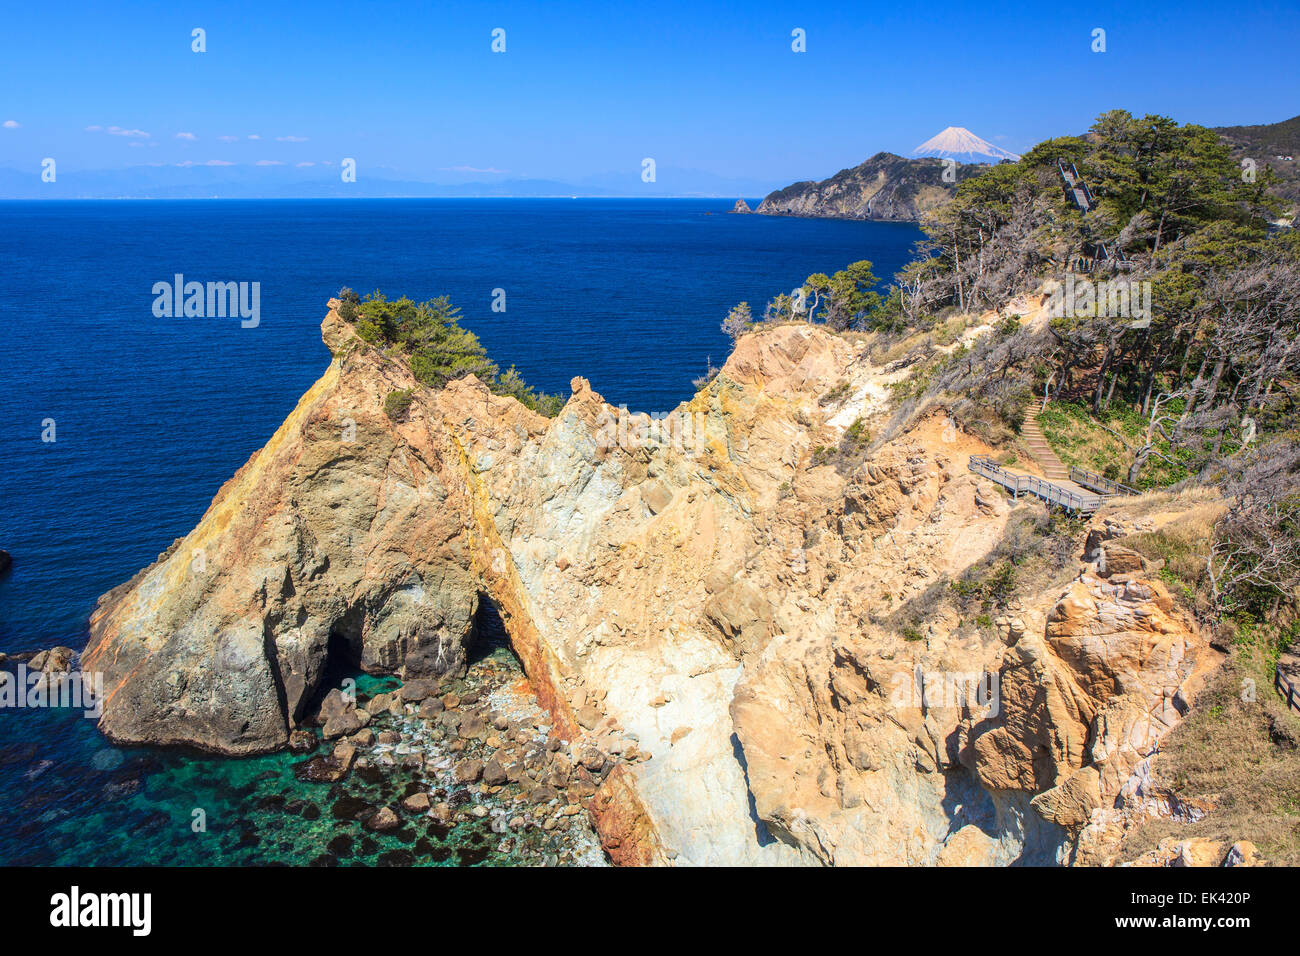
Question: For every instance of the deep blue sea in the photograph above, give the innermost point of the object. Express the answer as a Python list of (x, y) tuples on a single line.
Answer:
[(151, 415)]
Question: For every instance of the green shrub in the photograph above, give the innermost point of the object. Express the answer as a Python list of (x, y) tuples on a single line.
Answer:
[(398, 403), (348, 304), (994, 590), (436, 347)]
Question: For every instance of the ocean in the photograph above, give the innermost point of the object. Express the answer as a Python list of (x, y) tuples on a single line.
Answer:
[(148, 416)]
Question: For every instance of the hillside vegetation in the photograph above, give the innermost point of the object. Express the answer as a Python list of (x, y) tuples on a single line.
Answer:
[(1270, 146), (886, 188), (1168, 348)]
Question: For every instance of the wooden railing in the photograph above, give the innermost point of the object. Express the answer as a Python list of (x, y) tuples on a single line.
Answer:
[(1050, 492), (1287, 689), (1104, 486)]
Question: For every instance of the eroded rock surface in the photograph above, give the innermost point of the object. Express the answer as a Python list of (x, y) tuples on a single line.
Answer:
[(709, 597)]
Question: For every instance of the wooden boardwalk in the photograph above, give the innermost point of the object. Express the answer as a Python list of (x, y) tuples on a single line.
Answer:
[(1063, 494), (1074, 489)]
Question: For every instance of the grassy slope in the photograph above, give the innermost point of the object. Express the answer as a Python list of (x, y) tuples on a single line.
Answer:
[(1085, 441), (1239, 756)]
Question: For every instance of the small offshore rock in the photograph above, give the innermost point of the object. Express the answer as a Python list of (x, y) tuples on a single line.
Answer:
[(383, 820), (55, 660), (414, 691), (494, 775), (364, 737), (416, 803)]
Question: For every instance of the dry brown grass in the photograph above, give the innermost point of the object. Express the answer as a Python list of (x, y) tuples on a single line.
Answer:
[(948, 331), (1241, 757), (1183, 546), (883, 353)]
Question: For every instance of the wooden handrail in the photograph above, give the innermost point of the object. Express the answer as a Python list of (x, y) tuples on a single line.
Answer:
[(1031, 484), (1100, 483), (1286, 689)]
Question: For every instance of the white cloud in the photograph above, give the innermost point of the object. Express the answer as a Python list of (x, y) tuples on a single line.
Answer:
[(190, 136), (254, 136), (268, 162), (218, 162), (291, 139), (306, 164), (118, 131), (229, 139), (472, 169), (11, 124)]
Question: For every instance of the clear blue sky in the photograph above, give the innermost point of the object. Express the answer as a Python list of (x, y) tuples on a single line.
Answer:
[(589, 88)]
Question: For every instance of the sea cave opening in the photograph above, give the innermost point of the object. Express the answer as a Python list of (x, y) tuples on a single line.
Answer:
[(342, 661), (489, 636)]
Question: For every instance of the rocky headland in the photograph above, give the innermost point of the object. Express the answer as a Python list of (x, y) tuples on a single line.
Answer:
[(885, 188), (735, 619)]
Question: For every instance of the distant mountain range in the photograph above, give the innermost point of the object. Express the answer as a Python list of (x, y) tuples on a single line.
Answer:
[(291, 182)]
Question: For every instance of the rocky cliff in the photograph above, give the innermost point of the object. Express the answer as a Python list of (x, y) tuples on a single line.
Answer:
[(718, 593), (886, 187)]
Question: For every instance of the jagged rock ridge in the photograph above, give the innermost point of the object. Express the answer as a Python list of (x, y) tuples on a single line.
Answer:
[(700, 583)]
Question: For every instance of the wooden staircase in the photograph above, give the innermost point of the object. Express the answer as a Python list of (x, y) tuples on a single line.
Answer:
[(1075, 187), (1031, 434), (1054, 470), (1058, 486)]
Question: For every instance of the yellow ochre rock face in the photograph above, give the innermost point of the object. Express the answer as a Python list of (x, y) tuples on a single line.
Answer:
[(729, 586)]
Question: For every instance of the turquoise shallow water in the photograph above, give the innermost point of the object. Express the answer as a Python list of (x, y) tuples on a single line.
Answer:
[(86, 803)]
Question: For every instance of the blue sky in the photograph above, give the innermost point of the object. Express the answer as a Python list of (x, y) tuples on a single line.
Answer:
[(415, 92)]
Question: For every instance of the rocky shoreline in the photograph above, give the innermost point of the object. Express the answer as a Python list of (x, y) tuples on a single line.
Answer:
[(476, 750), (715, 630)]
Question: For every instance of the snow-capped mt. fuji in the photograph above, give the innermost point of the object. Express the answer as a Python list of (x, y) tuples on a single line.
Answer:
[(964, 146)]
